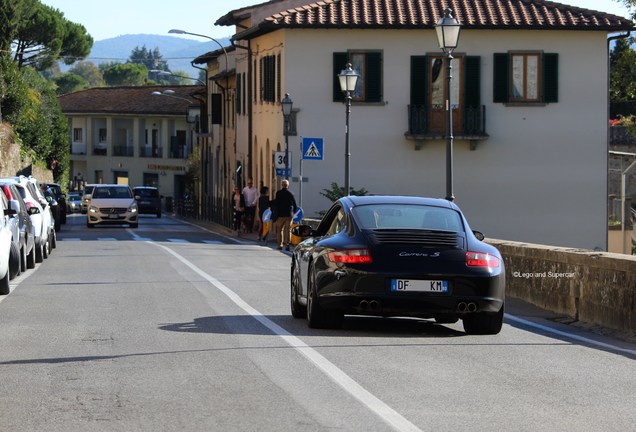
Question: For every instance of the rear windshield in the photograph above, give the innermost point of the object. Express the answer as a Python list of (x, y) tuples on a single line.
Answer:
[(407, 216), (88, 190), (147, 193)]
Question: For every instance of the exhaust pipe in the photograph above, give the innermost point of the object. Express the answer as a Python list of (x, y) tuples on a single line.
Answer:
[(374, 305), (364, 305), (462, 307), (472, 307)]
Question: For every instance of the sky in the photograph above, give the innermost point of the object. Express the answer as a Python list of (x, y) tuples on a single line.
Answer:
[(112, 18)]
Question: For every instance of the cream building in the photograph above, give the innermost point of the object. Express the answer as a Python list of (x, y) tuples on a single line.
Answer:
[(529, 97), (141, 136)]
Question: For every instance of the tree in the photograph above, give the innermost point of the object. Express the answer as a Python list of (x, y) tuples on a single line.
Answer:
[(40, 35), (69, 83), (125, 74), (337, 192), (623, 71), (89, 72), (151, 59)]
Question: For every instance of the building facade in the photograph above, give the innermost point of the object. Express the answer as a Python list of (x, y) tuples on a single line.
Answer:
[(141, 136), (529, 98)]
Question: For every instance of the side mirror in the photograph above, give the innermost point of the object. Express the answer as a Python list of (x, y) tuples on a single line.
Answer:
[(303, 231), (479, 235), (137, 197)]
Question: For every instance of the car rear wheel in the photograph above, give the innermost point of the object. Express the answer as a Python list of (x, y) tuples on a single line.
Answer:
[(4, 284), (297, 310), (23, 258), (39, 252), (317, 317), (53, 240), (46, 248), (484, 323), (14, 261), (30, 260)]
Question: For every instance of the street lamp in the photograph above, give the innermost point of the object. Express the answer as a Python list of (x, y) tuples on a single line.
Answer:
[(287, 105), (447, 29), (348, 81)]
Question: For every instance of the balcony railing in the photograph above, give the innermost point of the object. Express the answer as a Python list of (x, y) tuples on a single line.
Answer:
[(473, 123), (150, 152), (123, 151)]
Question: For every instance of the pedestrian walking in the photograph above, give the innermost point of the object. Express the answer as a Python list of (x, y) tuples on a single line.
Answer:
[(250, 194), (284, 207), (263, 204), (238, 205)]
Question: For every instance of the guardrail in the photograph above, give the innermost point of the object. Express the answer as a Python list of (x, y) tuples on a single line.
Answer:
[(595, 287)]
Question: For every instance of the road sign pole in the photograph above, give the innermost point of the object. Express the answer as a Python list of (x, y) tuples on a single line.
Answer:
[(300, 177)]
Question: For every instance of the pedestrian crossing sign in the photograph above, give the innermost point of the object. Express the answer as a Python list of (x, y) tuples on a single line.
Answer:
[(313, 148)]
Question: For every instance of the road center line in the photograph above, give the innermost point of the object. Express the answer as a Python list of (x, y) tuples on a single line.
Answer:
[(385, 412)]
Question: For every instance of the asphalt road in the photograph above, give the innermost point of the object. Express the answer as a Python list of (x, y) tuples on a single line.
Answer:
[(173, 327)]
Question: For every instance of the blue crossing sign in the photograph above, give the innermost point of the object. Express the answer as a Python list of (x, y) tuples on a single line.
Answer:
[(313, 148)]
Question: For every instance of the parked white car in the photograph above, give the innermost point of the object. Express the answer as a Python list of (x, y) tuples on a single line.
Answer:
[(13, 224), (112, 204), (5, 245), (42, 221)]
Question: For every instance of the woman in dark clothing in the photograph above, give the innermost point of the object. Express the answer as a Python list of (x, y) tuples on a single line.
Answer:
[(263, 204), (238, 204)]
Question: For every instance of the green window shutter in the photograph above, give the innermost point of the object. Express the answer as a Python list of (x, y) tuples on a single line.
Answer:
[(501, 78), (216, 108), (373, 90), (419, 80), (472, 81), (550, 78), (340, 60)]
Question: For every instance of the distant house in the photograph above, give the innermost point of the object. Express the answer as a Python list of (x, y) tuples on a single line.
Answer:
[(529, 100), (133, 135)]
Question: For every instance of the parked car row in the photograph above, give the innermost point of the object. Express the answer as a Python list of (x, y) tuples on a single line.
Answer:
[(27, 226)]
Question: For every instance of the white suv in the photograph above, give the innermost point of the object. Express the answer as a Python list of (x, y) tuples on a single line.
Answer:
[(5, 245), (112, 204), (41, 217)]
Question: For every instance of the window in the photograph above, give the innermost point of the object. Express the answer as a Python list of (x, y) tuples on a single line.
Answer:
[(102, 135), (267, 74), (427, 108), (338, 223), (77, 134), (525, 77), (369, 65)]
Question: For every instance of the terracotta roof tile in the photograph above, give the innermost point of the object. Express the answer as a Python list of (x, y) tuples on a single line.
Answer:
[(508, 14), (131, 100)]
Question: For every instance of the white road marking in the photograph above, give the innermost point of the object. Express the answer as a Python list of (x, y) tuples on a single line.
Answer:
[(570, 335), (385, 412)]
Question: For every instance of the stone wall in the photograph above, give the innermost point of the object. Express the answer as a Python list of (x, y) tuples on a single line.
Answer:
[(13, 163), (595, 287)]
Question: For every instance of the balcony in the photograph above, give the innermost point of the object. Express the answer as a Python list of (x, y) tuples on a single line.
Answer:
[(150, 152), (123, 150), (472, 126)]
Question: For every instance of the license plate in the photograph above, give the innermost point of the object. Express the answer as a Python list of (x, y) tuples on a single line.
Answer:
[(144, 202), (113, 216), (410, 285)]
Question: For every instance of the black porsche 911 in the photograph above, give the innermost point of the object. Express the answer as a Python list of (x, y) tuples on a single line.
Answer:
[(397, 256)]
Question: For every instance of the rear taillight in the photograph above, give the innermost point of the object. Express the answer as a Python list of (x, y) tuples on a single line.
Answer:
[(29, 204), (480, 259), (350, 256)]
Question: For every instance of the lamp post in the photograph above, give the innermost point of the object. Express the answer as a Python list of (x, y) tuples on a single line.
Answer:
[(447, 29), (287, 105), (348, 80)]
